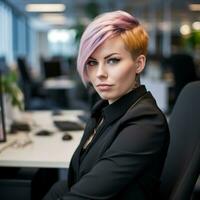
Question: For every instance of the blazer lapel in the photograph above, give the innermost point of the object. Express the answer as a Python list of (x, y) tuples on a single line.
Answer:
[(89, 129), (76, 157)]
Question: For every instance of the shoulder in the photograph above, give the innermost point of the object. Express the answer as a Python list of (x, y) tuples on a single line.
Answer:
[(145, 108), (144, 119), (143, 126)]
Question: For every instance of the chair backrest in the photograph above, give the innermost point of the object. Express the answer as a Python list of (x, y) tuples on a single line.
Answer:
[(23, 69), (52, 68), (182, 164)]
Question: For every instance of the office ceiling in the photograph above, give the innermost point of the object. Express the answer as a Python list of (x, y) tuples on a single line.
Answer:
[(147, 10)]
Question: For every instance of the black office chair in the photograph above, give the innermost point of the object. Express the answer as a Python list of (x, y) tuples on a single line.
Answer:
[(182, 165), (52, 68), (35, 96), (184, 71)]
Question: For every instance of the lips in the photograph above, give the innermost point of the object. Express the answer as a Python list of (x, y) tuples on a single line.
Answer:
[(104, 86)]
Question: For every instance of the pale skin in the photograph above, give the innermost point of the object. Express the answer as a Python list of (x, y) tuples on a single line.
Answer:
[(112, 69)]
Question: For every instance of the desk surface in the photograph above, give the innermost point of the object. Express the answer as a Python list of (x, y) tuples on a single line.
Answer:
[(58, 84), (44, 151)]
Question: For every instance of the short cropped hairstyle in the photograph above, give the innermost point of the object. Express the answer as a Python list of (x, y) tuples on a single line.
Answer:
[(108, 25)]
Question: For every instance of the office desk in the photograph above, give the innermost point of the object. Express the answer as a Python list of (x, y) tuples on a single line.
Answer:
[(58, 84), (44, 151), (59, 90)]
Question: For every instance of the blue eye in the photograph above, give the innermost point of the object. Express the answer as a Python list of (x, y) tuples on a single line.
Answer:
[(113, 60)]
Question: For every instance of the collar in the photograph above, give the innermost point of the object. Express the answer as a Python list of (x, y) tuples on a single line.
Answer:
[(113, 111)]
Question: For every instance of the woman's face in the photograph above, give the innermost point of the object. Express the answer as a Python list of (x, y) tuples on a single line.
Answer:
[(112, 70)]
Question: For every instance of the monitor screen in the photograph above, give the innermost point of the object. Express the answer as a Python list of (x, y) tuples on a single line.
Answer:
[(3, 65), (2, 121)]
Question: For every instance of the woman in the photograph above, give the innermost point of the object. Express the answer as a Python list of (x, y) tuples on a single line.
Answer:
[(123, 149)]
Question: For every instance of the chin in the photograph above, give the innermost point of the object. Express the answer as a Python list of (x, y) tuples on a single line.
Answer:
[(104, 97), (108, 96)]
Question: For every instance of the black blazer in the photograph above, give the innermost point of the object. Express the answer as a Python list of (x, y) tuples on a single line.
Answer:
[(125, 158)]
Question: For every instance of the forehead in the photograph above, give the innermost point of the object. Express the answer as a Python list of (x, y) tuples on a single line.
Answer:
[(109, 46)]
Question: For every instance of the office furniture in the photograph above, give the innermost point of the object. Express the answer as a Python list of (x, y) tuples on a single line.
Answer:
[(67, 92), (182, 165), (59, 83), (34, 95), (3, 65), (27, 160), (59, 88), (51, 68), (183, 68), (26, 183), (2, 119), (43, 151)]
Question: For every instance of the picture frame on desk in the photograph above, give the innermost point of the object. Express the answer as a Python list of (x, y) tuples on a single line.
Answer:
[(2, 119)]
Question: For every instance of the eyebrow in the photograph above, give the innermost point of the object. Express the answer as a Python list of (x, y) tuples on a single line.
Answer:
[(110, 55), (104, 57)]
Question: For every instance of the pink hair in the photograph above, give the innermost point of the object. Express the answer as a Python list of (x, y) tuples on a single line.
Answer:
[(104, 26)]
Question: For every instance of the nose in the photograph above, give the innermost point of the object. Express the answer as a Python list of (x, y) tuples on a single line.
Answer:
[(101, 71)]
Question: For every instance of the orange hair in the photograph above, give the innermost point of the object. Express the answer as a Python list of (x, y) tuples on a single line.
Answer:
[(136, 40)]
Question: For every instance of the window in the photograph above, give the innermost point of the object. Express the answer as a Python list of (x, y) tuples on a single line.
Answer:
[(6, 47), (62, 42)]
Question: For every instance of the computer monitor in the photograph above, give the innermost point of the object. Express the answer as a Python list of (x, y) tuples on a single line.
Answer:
[(3, 65), (2, 121)]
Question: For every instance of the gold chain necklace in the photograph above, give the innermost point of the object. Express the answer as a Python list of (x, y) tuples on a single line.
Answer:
[(92, 135)]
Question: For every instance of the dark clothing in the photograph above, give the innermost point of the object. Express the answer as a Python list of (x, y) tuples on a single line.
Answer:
[(126, 156), (184, 71)]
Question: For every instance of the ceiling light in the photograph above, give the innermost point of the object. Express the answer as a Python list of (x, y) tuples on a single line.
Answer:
[(45, 7), (53, 18), (194, 7), (185, 29), (196, 26)]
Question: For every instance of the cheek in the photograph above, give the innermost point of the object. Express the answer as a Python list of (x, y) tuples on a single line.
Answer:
[(125, 74), (91, 75)]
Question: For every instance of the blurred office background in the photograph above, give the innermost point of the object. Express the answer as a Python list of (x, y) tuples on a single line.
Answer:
[(38, 50), (40, 43)]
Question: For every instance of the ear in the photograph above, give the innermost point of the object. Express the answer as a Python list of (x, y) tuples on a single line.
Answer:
[(140, 63)]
